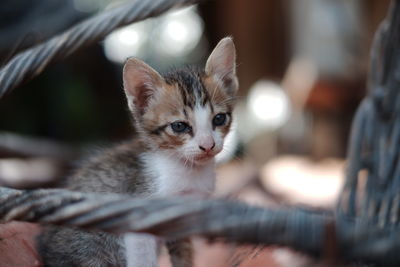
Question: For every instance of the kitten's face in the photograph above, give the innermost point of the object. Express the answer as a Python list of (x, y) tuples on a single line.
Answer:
[(190, 118), (188, 112)]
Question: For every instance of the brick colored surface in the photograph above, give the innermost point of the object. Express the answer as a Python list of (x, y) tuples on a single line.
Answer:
[(17, 245)]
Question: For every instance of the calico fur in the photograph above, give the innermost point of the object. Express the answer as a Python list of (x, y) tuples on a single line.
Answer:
[(159, 161)]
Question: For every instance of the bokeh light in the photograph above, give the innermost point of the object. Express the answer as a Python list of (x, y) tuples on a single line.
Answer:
[(268, 104), (180, 32), (174, 34), (126, 42)]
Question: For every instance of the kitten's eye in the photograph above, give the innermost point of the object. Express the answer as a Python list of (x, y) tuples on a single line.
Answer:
[(219, 119), (180, 127)]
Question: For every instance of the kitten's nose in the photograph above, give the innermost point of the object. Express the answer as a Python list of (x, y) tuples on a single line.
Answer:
[(207, 145)]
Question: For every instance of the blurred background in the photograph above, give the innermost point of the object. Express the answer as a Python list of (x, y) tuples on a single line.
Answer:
[(302, 67)]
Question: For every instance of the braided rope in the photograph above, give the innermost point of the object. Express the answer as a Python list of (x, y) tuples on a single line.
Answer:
[(30, 63), (374, 149), (308, 231), (172, 218)]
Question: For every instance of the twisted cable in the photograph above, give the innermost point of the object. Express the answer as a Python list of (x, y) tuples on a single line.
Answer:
[(372, 188), (171, 218), (30, 63), (313, 232)]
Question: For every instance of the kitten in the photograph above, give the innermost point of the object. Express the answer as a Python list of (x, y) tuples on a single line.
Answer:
[(181, 119)]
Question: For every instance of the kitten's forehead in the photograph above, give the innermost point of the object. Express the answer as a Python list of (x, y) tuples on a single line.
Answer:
[(201, 118), (190, 84)]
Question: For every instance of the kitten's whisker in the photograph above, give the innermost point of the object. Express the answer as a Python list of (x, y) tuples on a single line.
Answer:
[(230, 99), (186, 161), (192, 163)]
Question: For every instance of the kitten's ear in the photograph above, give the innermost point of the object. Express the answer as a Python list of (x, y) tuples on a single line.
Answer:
[(221, 64), (140, 83)]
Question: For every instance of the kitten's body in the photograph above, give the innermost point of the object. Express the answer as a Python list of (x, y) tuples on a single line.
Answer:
[(180, 130), (150, 174)]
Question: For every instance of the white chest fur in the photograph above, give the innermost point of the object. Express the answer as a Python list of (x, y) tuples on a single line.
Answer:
[(172, 177)]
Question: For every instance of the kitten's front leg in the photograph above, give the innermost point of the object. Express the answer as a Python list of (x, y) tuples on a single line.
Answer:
[(141, 250), (181, 252)]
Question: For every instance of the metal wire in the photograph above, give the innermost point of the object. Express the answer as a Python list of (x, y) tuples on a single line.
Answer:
[(30, 63)]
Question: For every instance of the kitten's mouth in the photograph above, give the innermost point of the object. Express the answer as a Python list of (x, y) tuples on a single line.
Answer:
[(200, 159), (203, 158)]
